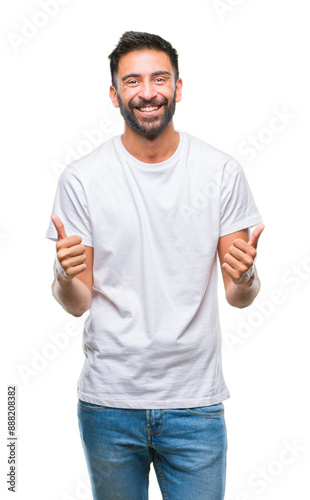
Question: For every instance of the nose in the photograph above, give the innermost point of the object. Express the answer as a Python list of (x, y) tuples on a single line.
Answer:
[(147, 91)]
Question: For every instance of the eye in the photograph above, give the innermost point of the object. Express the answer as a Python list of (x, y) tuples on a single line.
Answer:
[(160, 79), (132, 81)]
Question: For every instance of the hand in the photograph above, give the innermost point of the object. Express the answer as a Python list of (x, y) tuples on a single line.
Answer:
[(238, 262), (70, 253)]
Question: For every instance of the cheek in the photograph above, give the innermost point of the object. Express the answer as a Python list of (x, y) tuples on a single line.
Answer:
[(169, 94), (130, 97)]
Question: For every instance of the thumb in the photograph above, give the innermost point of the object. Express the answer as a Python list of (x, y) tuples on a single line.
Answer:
[(256, 234), (59, 227)]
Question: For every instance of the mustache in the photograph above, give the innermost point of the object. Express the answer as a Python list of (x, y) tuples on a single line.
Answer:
[(143, 102)]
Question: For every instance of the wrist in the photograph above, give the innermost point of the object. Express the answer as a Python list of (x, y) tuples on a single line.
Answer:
[(248, 279), (242, 294), (60, 273)]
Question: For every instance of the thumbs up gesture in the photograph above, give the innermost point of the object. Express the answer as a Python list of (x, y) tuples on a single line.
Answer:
[(238, 262), (70, 253), (255, 235)]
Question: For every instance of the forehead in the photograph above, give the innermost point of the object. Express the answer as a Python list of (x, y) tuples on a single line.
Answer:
[(144, 62)]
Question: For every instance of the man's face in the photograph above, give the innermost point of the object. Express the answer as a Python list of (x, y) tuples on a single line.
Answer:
[(146, 91)]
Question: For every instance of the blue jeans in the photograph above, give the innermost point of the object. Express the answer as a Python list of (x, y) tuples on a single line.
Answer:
[(187, 447)]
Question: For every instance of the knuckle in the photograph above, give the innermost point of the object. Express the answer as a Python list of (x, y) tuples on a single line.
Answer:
[(69, 272), (249, 260), (60, 259), (236, 275), (74, 240), (238, 242), (62, 254), (65, 270), (227, 257), (64, 264)]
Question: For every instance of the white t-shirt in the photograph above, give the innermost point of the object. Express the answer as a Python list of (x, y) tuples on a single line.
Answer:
[(152, 338)]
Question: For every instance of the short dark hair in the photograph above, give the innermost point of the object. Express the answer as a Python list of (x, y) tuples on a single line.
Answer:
[(137, 40)]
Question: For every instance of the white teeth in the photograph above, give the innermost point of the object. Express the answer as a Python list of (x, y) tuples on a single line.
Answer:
[(149, 108)]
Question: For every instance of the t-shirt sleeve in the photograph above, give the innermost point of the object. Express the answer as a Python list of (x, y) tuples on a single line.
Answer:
[(70, 205), (238, 209)]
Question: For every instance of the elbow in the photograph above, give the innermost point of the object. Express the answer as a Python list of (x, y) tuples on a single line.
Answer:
[(75, 304), (241, 305), (77, 312), (242, 298)]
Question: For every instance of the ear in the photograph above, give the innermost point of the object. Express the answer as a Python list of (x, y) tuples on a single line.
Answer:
[(179, 86), (113, 96)]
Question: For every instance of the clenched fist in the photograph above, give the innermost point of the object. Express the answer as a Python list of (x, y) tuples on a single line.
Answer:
[(70, 253), (238, 262)]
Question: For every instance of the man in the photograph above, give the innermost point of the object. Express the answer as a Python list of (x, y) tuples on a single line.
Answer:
[(138, 224)]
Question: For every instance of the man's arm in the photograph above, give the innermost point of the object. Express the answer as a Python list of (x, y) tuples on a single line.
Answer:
[(73, 283), (236, 254)]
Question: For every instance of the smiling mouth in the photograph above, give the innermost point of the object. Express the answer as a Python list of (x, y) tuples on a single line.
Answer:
[(148, 110)]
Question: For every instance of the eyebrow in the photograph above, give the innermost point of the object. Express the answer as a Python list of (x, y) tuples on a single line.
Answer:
[(137, 75)]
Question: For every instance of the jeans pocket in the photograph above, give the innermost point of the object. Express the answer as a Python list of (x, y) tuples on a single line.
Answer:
[(85, 405), (216, 410)]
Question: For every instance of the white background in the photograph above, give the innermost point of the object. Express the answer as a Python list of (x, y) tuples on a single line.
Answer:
[(242, 63)]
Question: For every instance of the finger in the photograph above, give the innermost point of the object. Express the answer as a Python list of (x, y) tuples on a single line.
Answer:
[(244, 246), (73, 261), (236, 265), (242, 256), (73, 271), (67, 250), (69, 242), (233, 273), (59, 227), (256, 234)]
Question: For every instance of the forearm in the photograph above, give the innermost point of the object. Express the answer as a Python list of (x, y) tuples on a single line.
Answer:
[(243, 294), (72, 294)]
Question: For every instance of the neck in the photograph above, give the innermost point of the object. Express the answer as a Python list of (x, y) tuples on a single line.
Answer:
[(151, 149)]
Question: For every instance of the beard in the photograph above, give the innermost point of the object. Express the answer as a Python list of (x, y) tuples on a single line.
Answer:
[(148, 125)]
